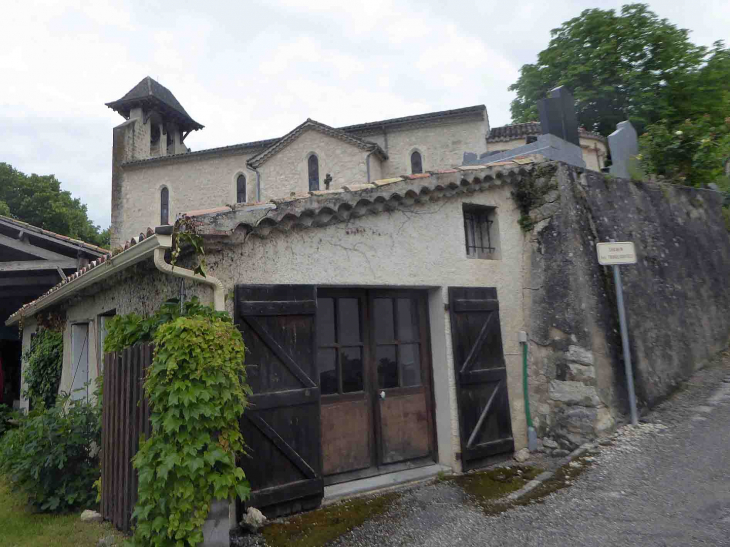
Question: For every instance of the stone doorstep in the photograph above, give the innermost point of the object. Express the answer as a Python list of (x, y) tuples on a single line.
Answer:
[(381, 483)]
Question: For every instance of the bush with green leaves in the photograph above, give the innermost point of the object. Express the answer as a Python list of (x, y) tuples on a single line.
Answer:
[(124, 331), (43, 366), (197, 391), (693, 152), (51, 456), (7, 419)]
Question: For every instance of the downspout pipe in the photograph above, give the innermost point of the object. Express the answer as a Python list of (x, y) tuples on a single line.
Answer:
[(258, 181), (367, 163), (531, 433), (219, 300)]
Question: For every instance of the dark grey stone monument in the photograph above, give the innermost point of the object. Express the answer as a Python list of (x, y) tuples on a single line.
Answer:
[(624, 145), (557, 115)]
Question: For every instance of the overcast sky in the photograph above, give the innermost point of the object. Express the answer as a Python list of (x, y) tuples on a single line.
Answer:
[(254, 70)]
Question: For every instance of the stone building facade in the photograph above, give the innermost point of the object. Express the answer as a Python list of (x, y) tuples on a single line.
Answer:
[(151, 163), (508, 137)]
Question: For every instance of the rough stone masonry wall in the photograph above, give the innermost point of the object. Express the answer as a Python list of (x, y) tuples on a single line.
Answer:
[(677, 297)]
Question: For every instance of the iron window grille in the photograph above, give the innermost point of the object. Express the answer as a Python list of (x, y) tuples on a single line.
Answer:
[(478, 231)]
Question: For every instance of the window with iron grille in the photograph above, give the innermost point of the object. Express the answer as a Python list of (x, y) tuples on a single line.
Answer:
[(479, 231)]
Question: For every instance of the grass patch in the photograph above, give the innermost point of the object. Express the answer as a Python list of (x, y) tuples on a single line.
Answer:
[(20, 527), (485, 487), (317, 528)]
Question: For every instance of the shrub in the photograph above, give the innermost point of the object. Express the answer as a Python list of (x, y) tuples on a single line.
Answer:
[(691, 153), (197, 392), (7, 415), (52, 457), (44, 363)]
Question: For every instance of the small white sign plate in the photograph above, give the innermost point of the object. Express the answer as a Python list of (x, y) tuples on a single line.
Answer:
[(620, 252)]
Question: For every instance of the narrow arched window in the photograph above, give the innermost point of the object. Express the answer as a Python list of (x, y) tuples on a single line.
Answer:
[(164, 207), (416, 163), (241, 189), (313, 167)]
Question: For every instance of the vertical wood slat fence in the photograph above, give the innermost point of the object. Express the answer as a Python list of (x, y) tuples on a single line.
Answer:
[(125, 416)]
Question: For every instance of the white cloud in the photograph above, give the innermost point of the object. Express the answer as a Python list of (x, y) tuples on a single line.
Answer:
[(254, 70)]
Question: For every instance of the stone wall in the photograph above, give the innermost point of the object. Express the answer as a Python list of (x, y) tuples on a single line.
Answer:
[(677, 297), (441, 145), (287, 171)]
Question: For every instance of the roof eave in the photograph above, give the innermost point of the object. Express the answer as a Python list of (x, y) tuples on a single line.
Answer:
[(141, 251)]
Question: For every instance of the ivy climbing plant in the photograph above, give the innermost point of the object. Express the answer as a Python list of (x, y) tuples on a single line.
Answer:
[(43, 366), (196, 387)]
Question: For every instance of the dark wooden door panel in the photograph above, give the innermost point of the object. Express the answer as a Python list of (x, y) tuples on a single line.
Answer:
[(346, 436), (282, 425), (404, 426), (481, 375)]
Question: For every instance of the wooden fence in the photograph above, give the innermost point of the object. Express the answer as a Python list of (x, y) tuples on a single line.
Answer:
[(125, 416)]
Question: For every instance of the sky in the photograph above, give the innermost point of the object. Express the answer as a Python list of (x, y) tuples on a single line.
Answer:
[(254, 70)]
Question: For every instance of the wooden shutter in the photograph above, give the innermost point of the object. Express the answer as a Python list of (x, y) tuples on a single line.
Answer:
[(282, 426), (481, 375)]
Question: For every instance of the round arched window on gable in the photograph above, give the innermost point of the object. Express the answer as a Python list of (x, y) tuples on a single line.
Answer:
[(164, 206), (241, 189), (416, 162), (313, 169)]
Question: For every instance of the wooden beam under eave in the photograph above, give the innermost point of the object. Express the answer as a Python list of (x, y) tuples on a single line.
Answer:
[(24, 291), (27, 248), (31, 265), (29, 281), (55, 240)]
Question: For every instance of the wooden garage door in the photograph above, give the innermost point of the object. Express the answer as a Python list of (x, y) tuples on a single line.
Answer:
[(282, 426), (481, 375)]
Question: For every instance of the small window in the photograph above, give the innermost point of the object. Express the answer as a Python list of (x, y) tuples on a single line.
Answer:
[(164, 207), (241, 189), (531, 139), (416, 163), (313, 168), (480, 231)]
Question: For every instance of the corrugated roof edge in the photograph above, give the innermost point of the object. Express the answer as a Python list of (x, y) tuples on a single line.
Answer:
[(326, 207)]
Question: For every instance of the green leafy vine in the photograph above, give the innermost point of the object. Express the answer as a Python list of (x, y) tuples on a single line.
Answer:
[(185, 231), (43, 367), (196, 387)]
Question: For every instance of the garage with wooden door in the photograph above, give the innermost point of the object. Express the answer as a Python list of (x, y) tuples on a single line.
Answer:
[(342, 382)]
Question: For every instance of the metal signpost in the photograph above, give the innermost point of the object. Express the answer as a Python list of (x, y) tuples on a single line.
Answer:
[(615, 254)]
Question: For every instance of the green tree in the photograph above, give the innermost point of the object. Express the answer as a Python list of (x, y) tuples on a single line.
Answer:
[(631, 65), (39, 200), (693, 152)]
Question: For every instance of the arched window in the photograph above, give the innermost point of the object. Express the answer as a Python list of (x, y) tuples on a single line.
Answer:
[(313, 167), (416, 163), (241, 189), (164, 207)]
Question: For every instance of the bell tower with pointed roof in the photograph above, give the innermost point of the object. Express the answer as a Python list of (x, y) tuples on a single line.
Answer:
[(155, 125)]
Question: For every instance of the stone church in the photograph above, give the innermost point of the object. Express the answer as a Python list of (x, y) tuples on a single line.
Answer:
[(155, 176)]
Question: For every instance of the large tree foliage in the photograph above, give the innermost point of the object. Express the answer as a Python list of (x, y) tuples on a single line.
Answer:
[(39, 200), (631, 65)]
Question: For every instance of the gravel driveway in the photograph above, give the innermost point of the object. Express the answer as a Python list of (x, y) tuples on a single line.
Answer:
[(666, 482)]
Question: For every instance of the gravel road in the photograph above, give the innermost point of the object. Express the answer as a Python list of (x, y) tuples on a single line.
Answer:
[(666, 482)]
